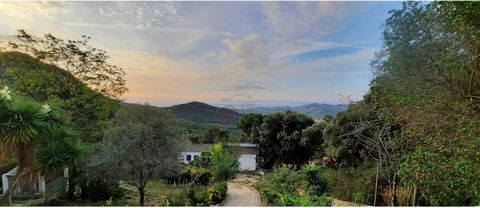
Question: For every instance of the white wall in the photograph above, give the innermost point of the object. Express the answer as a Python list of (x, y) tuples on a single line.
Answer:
[(184, 156), (248, 162), (4, 183)]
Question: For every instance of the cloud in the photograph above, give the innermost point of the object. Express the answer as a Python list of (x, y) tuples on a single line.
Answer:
[(307, 19), (240, 87), (182, 51)]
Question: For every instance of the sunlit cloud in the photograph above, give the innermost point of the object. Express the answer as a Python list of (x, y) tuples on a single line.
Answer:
[(220, 52)]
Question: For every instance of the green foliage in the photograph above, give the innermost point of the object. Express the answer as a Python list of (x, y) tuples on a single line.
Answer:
[(348, 183), (288, 187), (214, 134), (217, 192), (102, 189), (59, 149), (223, 163), (143, 144), (48, 83), (281, 139), (292, 200), (359, 198), (316, 184), (250, 125), (427, 80), (421, 167)]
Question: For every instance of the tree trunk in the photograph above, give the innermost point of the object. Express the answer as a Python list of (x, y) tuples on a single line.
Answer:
[(46, 196), (414, 200), (141, 191), (376, 187), (71, 182), (393, 192)]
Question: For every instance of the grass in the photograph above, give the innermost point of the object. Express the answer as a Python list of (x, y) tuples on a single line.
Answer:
[(156, 192)]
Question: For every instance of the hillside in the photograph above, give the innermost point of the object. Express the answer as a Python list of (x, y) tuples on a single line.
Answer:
[(204, 113), (314, 110)]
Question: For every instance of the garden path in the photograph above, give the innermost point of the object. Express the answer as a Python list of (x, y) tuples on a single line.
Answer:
[(241, 193)]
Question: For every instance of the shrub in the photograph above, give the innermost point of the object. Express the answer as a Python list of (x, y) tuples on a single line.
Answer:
[(197, 195), (292, 200), (287, 187), (217, 192), (102, 190), (316, 184), (223, 163), (321, 201), (282, 180), (359, 198), (179, 199)]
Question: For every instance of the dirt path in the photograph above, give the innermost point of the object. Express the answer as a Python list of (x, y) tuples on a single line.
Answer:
[(241, 193)]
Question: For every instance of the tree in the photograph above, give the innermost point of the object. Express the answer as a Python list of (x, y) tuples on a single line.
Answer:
[(250, 125), (22, 121), (427, 80), (281, 139), (314, 136), (84, 62), (214, 134), (46, 82), (144, 144)]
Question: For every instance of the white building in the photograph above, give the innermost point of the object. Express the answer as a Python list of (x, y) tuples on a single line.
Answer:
[(247, 159), (35, 187)]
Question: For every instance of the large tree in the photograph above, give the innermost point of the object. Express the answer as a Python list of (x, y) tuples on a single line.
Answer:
[(143, 144), (250, 125), (86, 63), (427, 78), (281, 139)]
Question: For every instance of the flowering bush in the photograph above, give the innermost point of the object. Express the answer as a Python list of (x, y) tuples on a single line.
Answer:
[(5, 93)]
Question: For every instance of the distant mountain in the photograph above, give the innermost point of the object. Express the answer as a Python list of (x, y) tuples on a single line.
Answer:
[(314, 110), (202, 112)]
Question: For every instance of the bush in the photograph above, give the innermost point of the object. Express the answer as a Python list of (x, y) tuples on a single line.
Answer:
[(292, 200), (282, 180), (198, 195), (288, 187), (217, 192), (102, 190), (223, 163), (359, 198), (180, 199), (344, 183)]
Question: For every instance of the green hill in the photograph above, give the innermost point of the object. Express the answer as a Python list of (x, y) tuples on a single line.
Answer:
[(204, 113)]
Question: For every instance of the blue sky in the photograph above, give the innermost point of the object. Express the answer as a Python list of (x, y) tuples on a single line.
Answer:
[(225, 53)]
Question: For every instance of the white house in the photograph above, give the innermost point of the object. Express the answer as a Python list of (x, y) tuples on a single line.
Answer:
[(247, 159), (8, 177)]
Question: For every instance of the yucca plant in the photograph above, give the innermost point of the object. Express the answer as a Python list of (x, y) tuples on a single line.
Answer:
[(58, 150), (21, 123)]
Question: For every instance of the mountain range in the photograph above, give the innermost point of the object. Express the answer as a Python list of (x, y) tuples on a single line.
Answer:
[(205, 113)]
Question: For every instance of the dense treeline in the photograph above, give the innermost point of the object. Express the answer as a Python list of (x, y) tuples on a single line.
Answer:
[(416, 132)]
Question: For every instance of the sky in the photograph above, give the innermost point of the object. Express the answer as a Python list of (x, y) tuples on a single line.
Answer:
[(241, 54)]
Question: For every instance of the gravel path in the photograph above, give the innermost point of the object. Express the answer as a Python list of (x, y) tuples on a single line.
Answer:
[(241, 193)]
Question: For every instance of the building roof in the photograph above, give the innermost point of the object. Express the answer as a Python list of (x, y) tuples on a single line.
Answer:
[(244, 148), (199, 147)]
